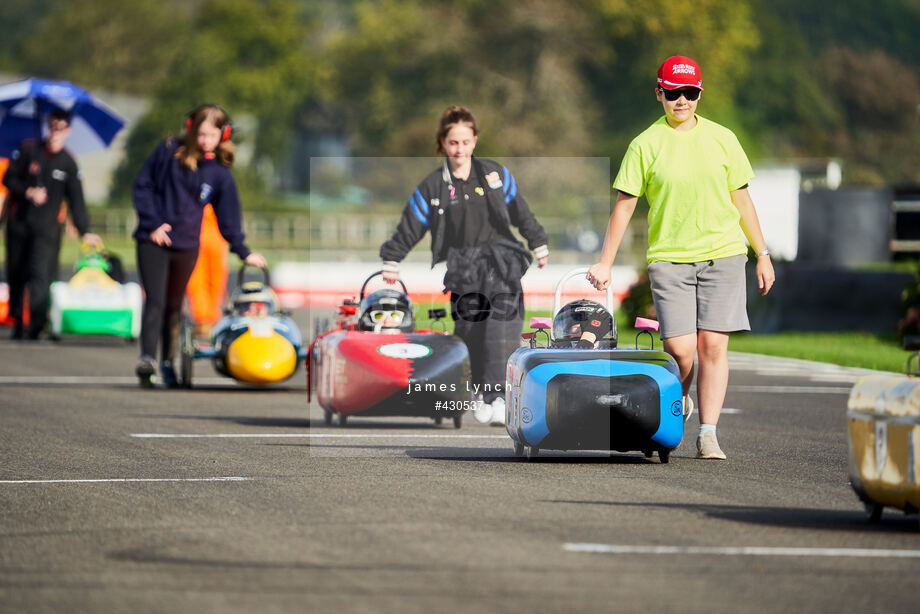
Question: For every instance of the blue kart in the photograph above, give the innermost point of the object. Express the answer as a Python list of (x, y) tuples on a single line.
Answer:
[(580, 392)]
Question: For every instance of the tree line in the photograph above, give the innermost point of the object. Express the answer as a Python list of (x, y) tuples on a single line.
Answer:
[(793, 78)]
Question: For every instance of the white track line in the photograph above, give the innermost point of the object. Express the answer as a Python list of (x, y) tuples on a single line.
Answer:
[(307, 436), (743, 551), (96, 481), (793, 389), (90, 380)]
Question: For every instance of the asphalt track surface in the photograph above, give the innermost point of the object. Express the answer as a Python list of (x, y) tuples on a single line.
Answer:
[(232, 499)]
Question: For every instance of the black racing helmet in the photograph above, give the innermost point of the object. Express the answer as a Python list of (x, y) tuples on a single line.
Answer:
[(253, 298), (583, 316), (387, 309)]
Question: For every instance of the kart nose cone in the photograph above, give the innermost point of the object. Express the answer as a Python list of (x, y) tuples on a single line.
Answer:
[(261, 359)]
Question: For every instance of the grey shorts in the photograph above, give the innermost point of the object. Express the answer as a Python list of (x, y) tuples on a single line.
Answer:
[(708, 295)]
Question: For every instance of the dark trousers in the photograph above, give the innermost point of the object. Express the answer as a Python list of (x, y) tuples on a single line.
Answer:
[(491, 329), (30, 259), (164, 273)]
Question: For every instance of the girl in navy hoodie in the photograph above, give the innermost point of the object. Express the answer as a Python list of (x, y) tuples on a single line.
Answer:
[(179, 178)]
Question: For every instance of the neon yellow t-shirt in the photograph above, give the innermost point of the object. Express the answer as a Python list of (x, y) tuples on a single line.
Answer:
[(688, 177)]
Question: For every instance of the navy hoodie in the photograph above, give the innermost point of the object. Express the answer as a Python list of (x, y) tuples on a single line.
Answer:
[(167, 192)]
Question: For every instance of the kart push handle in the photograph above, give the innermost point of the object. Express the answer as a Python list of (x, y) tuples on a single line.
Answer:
[(539, 325), (646, 326), (242, 274), (372, 276), (557, 298)]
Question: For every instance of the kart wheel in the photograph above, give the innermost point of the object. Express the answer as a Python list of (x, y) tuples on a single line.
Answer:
[(145, 381), (518, 449), (327, 417), (664, 456), (343, 419), (533, 452), (438, 420), (874, 512), (186, 369), (648, 453), (458, 421), (187, 352)]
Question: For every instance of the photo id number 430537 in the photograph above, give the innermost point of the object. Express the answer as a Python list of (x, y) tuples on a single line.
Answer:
[(454, 405)]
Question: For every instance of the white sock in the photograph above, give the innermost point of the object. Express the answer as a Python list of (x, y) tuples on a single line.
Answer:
[(707, 428)]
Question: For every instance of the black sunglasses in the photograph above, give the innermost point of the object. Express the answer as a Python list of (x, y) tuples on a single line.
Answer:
[(690, 93)]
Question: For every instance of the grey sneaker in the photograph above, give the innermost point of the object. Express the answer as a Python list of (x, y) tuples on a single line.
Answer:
[(707, 446)]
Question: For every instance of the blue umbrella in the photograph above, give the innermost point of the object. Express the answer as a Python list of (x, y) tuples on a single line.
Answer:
[(25, 106)]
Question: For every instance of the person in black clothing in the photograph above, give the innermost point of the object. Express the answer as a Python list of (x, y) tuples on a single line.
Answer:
[(469, 205), (178, 179), (41, 175)]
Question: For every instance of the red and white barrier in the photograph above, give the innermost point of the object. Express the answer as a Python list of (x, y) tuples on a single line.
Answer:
[(326, 284)]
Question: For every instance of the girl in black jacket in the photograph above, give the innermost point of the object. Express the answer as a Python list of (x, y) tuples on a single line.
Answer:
[(469, 205)]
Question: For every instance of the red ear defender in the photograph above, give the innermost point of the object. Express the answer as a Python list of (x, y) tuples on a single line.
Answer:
[(225, 133)]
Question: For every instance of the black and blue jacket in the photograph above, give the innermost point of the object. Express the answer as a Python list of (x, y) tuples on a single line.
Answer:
[(165, 192), (425, 211)]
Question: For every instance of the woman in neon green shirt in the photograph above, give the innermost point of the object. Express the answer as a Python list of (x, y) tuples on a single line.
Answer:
[(695, 175)]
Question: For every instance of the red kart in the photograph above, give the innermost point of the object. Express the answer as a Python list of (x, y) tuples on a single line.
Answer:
[(374, 362)]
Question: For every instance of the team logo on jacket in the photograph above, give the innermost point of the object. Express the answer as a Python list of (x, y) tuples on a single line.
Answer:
[(479, 190), (59, 175), (494, 180), (205, 193)]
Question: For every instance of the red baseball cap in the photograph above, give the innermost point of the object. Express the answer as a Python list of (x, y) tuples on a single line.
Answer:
[(679, 71)]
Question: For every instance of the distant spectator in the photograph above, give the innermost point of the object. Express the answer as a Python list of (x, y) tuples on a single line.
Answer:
[(41, 175)]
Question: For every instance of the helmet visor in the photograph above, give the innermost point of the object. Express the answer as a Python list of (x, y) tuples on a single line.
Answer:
[(387, 316)]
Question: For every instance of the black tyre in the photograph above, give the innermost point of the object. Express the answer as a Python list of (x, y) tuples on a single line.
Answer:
[(664, 456), (343, 419), (874, 512), (187, 352), (327, 417), (458, 421), (438, 420)]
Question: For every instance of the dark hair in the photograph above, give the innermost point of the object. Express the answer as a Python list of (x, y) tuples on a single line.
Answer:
[(59, 115), (454, 115), (189, 154)]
